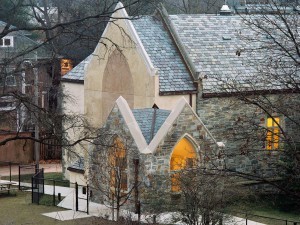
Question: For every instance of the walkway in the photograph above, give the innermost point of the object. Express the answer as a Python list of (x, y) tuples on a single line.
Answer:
[(100, 210)]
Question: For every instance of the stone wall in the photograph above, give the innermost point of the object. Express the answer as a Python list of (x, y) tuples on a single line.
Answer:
[(114, 127), (186, 125), (154, 169), (241, 126)]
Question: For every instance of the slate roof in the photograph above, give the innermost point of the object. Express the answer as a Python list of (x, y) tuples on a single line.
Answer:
[(78, 166), (150, 120), (173, 74), (77, 73), (212, 42)]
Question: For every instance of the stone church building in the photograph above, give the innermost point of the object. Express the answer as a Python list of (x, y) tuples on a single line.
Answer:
[(194, 70)]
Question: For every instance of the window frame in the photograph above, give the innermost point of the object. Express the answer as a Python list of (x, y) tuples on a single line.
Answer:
[(186, 163), (10, 38), (273, 133), (118, 163)]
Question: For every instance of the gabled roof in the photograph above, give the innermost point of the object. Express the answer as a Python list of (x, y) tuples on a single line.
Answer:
[(214, 44), (77, 73), (140, 129), (24, 47), (173, 74), (77, 166), (150, 120)]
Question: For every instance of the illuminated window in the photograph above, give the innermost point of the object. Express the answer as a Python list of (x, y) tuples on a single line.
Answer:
[(118, 166), (65, 66), (183, 157), (7, 41), (273, 133)]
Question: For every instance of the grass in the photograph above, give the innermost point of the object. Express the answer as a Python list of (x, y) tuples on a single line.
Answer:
[(48, 200), (274, 206), (17, 209), (49, 177)]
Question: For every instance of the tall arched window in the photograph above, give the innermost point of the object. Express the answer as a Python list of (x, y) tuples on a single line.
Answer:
[(118, 165), (183, 157)]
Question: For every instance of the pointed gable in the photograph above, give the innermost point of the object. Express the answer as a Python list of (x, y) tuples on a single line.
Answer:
[(150, 120), (173, 74)]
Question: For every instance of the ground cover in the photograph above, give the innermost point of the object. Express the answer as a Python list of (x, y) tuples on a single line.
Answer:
[(275, 206), (18, 210), (49, 177)]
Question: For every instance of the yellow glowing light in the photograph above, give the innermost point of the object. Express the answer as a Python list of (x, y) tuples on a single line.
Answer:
[(183, 157), (118, 165), (272, 139)]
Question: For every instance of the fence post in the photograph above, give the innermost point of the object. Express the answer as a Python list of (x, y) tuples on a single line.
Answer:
[(10, 171), (154, 219), (43, 181), (246, 219), (54, 192), (87, 199), (38, 190), (20, 178), (31, 188), (76, 195)]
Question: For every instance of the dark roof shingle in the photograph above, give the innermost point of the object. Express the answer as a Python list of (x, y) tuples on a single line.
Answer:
[(173, 74), (150, 120)]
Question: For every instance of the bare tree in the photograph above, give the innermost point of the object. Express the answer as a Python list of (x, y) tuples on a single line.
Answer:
[(268, 131), (113, 173), (54, 26), (204, 195)]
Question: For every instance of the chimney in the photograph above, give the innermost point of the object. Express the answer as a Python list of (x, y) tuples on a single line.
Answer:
[(225, 10)]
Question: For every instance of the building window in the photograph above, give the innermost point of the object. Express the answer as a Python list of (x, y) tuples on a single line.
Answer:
[(65, 66), (183, 157), (10, 80), (118, 166), (7, 77), (7, 41), (273, 133)]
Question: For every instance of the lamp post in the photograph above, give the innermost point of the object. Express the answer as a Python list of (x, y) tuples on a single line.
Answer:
[(36, 104), (36, 126)]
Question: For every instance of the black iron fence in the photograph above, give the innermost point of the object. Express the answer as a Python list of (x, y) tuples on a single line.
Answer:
[(82, 194), (51, 190), (267, 219), (6, 169), (37, 186), (26, 172)]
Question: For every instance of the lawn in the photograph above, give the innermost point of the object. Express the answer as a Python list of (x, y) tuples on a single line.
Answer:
[(49, 177), (278, 207), (18, 210)]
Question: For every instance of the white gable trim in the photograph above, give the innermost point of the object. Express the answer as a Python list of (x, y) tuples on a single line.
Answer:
[(140, 47), (131, 123), (162, 132)]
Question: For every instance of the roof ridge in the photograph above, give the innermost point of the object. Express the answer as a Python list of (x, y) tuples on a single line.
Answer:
[(177, 41)]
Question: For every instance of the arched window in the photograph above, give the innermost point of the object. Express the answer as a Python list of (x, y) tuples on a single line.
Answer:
[(183, 157), (118, 165)]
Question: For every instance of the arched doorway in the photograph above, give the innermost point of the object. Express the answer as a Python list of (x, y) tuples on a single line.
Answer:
[(184, 156)]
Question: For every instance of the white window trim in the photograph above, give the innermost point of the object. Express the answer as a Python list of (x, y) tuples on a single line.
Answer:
[(11, 42)]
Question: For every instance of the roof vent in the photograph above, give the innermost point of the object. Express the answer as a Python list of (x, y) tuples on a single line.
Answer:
[(226, 37), (225, 10)]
